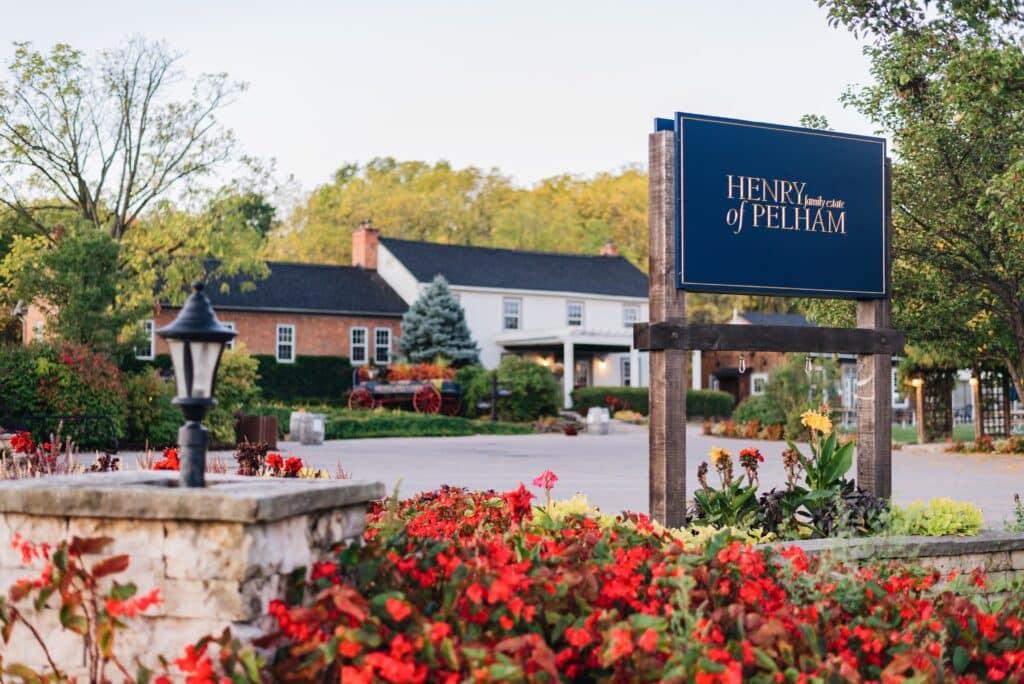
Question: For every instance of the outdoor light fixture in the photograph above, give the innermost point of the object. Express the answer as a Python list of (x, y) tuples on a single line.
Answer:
[(196, 340)]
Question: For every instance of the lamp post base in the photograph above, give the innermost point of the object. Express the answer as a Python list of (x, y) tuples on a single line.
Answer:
[(192, 438)]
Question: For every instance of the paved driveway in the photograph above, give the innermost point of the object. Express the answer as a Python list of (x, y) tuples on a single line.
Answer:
[(612, 469)]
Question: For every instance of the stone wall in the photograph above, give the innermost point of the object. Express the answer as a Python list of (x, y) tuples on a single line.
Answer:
[(999, 554), (218, 555)]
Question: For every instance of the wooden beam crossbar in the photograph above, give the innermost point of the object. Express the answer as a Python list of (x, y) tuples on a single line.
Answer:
[(778, 338)]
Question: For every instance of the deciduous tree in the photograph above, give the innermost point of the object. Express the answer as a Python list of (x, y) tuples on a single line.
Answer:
[(948, 92)]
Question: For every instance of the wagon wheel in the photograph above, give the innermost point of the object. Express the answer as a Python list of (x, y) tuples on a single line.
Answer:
[(426, 399), (452, 405), (360, 398)]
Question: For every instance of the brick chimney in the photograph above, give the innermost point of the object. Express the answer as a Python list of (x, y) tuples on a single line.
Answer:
[(364, 245), (610, 249)]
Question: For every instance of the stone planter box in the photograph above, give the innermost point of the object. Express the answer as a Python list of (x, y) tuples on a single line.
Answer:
[(217, 554), (999, 554)]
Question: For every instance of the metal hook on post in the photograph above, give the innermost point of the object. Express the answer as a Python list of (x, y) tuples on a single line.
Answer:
[(743, 364)]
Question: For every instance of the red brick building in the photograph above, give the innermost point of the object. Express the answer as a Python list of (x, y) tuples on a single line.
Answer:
[(304, 310)]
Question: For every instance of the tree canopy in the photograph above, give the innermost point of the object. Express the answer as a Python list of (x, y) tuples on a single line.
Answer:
[(469, 206), (949, 93), (116, 153)]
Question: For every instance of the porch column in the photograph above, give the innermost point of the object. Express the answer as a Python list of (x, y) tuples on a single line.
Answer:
[(695, 368), (568, 373), (634, 367)]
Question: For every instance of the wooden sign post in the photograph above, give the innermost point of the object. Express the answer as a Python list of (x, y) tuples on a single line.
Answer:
[(669, 340)]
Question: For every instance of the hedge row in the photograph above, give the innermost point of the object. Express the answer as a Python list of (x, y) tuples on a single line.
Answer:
[(323, 378), (699, 403), (406, 424)]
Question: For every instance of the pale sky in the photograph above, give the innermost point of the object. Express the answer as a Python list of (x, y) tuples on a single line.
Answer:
[(535, 88)]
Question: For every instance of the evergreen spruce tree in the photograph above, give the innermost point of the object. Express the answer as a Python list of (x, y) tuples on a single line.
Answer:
[(435, 327)]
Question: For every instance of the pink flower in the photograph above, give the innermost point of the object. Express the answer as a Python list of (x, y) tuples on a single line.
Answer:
[(547, 480)]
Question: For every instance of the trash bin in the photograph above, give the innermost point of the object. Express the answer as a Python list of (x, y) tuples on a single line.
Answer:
[(258, 429), (311, 428), (598, 421)]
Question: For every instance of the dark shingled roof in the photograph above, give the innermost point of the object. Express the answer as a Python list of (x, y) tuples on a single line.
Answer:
[(313, 288), (797, 320), (519, 270)]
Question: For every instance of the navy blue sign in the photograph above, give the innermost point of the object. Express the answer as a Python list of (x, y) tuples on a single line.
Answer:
[(778, 210)]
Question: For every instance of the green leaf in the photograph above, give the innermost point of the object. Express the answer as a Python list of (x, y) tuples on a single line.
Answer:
[(60, 558), (960, 659), (121, 592), (70, 619)]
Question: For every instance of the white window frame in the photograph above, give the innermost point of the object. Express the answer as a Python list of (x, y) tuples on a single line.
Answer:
[(149, 351), (505, 316), (898, 398), (625, 369), (568, 315), (754, 377), (626, 323), (377, 347), (278, 343), (365, 345), (230, 325)]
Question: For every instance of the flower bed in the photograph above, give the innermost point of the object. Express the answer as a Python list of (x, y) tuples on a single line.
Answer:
[(456, 586)]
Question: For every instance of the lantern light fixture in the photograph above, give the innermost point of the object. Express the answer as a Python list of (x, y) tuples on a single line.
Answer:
[(196, 340)]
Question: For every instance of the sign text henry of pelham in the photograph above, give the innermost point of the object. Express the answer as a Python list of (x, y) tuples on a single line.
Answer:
[(781, 204)]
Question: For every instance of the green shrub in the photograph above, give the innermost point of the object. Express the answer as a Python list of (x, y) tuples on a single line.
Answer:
[(18, 382), (150, 417), (237, 388), (708, 403), (533, 390), (761, 409), (318, 378), (634, 398), (936, 518), (698, 402), (74, 381), (387, 423), (475, 382)]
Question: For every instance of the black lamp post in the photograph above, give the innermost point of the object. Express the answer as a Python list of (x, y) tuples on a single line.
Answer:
[(196, 340)]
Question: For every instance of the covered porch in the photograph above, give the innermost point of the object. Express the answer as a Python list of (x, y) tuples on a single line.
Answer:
[(582, 355)]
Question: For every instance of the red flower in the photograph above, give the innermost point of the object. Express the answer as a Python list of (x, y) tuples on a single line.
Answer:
[(577, 637), (622, 643), (22, 443), (752, 453), (170, 460), (439, 630), (398, 610), (275, 462), (649, 640), (321, 570), (134, 606), (292, 466)]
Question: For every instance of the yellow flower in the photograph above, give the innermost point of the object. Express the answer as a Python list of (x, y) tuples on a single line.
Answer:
[(717, 454), (817, 421)]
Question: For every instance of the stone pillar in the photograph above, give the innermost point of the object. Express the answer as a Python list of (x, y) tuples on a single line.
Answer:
[(218, 554), (568, 374)]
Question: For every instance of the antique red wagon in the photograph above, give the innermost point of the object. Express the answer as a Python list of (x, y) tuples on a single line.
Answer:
[(402, 386)]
